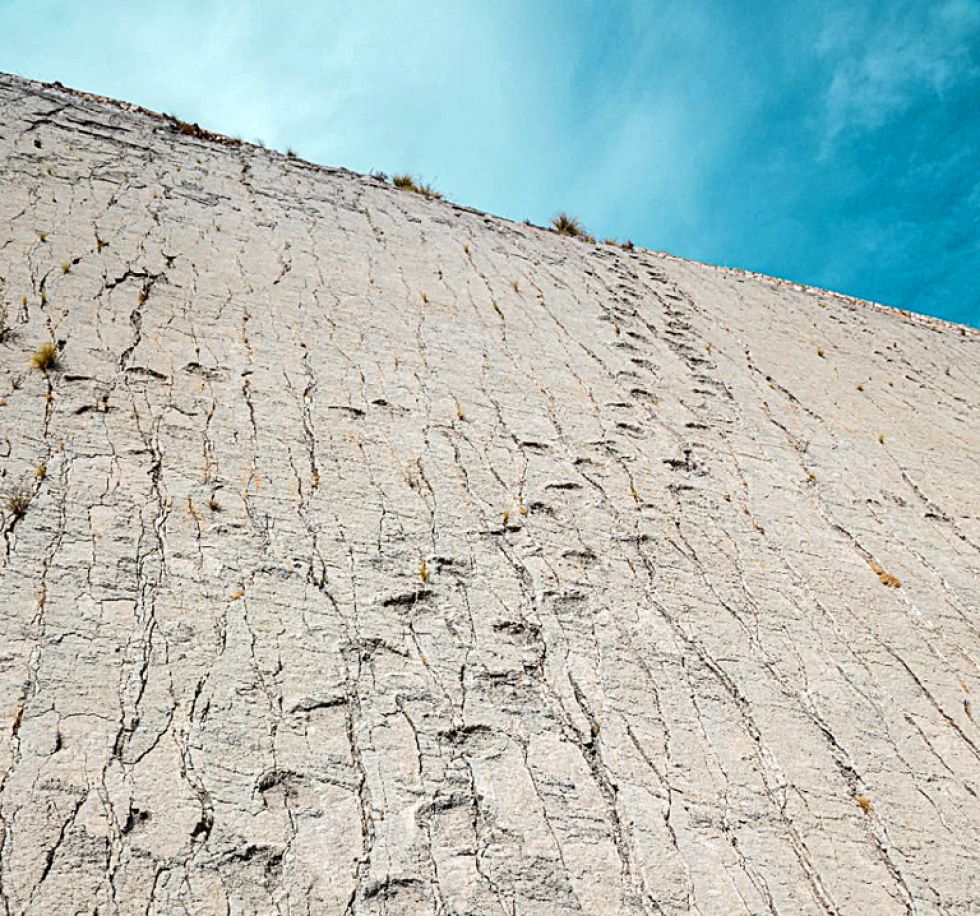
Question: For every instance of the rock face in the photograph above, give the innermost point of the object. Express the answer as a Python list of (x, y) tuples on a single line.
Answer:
[(366, 554)]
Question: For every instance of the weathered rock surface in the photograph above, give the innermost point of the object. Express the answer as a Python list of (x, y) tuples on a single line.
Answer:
[(380, 556)]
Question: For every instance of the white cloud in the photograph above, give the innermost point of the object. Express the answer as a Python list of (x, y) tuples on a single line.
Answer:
[(884, 60)]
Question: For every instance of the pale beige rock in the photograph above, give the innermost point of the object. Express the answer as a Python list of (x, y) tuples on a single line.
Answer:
[(577, 597)]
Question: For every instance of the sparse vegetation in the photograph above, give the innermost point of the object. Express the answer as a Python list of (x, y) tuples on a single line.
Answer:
[(820, 352), (45, 357), (380, 176), (885, 577), (409, 183), (864, 803), (18, 499), (41, 472), (214, 505), (188, 129), (423, 571), (66, 267), (564, 224)]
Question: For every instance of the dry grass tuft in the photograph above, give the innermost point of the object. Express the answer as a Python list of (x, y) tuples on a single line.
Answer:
[(408, 183), (885, 577), (188, 129), (45, 358), (18, 500), (564, 224), (864, 803)]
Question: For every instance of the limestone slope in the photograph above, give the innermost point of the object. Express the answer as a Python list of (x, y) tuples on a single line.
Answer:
[(366, 554)]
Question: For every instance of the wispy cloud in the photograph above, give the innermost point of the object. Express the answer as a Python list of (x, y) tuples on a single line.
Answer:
[(886, 58)]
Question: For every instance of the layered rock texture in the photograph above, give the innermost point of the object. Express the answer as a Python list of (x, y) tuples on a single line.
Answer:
[(364, 554)]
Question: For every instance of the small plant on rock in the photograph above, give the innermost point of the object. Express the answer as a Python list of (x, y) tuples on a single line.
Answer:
[(408, 183), (564, 224), (18, 500), (45, 358), (886, 578)]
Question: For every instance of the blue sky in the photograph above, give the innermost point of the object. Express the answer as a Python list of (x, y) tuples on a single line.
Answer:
[(834, 143)]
